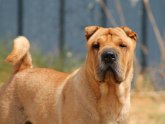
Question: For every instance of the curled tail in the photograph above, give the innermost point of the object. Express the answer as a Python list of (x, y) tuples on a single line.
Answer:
[(20, 57)]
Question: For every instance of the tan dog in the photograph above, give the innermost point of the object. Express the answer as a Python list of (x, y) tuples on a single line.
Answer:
[(97, 93)]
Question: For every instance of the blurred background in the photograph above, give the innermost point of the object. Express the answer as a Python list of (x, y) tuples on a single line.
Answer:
[(56, 31)]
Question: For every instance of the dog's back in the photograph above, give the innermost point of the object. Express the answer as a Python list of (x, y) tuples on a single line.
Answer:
[(24, 87)]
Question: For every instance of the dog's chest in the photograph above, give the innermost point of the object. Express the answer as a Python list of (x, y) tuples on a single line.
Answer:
[(109, 107)]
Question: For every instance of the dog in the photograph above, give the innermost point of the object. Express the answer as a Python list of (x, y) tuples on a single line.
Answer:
[(96, 93)]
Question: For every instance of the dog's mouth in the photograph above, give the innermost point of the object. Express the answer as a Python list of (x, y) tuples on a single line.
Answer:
[(110, 71)]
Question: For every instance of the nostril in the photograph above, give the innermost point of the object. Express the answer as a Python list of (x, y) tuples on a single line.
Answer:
[(112, 56), (105, 56)]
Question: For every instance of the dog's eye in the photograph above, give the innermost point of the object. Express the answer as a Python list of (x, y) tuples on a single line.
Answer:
[(96, 46), (123, 45)]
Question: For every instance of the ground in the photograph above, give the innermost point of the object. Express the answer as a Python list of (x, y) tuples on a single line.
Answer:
[(147, 108)]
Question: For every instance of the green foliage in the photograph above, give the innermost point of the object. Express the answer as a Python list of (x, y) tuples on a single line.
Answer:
[(64, 62)]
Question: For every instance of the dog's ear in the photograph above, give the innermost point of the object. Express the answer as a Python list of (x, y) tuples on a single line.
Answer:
[(90, 30), (129, 32)]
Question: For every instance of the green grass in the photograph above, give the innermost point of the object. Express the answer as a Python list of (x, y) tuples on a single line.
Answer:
[(5, 69), (67, 63)]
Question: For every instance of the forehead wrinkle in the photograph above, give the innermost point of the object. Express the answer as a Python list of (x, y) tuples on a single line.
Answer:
[(117, 31), (109, 37), (100, 32), (121, 38), (121, 34)]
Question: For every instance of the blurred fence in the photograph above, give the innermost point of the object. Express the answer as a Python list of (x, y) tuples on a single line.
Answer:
[(58, 25)]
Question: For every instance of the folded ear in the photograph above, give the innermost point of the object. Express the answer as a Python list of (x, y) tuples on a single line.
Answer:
[(90, 30), (129, 32)]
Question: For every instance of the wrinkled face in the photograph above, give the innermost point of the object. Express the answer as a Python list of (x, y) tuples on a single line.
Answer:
[(110, 52)]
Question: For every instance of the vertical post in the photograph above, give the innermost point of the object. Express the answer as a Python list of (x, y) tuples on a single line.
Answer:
[(103, 16), (144, 37), (20, 17), (61, 31)]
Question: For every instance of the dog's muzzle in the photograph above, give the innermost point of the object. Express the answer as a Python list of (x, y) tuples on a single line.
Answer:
[(109, 63)]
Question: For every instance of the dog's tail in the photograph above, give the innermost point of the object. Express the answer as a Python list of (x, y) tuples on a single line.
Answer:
[(20, 57)]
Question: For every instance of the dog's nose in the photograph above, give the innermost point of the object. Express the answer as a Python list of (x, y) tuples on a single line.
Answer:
[(109, 56)]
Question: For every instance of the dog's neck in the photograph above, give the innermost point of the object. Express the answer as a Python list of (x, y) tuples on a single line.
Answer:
[(121, 90), (94, 85)]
